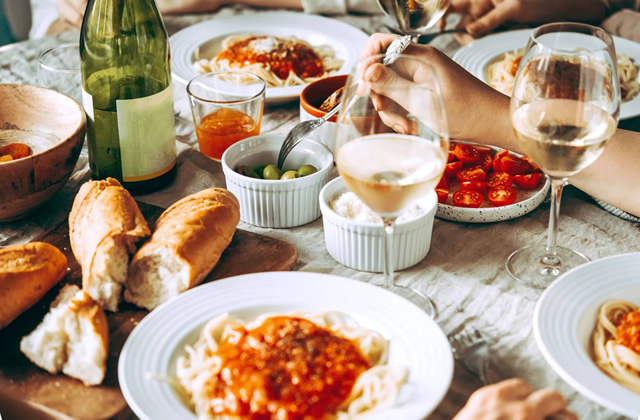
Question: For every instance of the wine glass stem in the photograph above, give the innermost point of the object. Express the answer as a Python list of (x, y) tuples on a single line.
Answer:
[(551, 258), (388, 252)]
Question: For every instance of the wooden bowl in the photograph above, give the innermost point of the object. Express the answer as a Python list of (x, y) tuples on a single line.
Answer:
[(53, 125)]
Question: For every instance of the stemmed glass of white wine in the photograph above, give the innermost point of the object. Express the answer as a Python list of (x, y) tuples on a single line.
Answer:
[(392, 144), (564, 109), (414, 17)]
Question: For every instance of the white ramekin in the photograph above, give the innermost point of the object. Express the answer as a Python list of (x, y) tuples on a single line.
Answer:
[(361, 245), (277, 204)]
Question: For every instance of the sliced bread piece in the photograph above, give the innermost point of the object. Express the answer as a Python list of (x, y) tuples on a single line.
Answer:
[(73, 338)]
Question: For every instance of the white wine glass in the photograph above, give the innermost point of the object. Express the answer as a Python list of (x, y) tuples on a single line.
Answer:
[(414, 17), (564, 109), (392, 144)]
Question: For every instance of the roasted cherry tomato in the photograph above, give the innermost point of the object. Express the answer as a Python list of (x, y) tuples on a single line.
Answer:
[(484, 162), (451, 157), (16, 150), (534, 166), (483, 150), (471, 175), (496, 160), (479, 186), (452, 168), (443, 183), (443, 195), (466, 153), (513, 165), (466, 198), (529, 181), (499, 178), (501, 195)]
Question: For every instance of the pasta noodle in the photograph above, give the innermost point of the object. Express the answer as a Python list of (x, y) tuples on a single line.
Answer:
[(613, 357), (501, 74), (279, 61), (206, 371)]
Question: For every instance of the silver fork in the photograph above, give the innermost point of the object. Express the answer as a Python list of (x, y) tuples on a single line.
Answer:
[(300, 131), (472, 350)]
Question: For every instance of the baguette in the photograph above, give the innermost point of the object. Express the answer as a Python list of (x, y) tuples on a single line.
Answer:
[(73, 338), (105, 224), (27, 272), (186, 244)]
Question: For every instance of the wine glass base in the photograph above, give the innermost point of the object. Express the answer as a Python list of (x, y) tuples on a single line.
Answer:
[(528, 266), (416, 297)]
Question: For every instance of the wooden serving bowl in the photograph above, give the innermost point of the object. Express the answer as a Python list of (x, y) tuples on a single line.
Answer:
[(53, 125)]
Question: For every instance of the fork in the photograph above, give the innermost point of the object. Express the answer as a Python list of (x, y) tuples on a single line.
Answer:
[(472, 350), (300, 131)]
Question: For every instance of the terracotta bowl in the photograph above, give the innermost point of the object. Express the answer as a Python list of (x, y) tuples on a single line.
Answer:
[(53, 125)]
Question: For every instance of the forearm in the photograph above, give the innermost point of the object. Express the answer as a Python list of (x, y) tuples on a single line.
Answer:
[(195, 6)]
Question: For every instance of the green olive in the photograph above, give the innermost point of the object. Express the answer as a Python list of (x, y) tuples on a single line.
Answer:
[(259, 170), (290, 175), (247, 171), (271, 172), (307, 170)]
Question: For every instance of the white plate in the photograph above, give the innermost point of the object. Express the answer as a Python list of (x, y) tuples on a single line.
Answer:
[(565, 317), (526, 202), (476, 56), (415, 340), (205, 39)]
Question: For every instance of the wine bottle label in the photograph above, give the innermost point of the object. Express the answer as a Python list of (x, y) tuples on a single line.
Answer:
[(146, 133)]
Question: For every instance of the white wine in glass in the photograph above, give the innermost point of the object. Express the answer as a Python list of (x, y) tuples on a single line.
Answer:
[(564, 109), (392, 145), (414, 17)]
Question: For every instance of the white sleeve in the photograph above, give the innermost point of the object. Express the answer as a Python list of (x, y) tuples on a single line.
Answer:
[(341, 7), (43, 14)]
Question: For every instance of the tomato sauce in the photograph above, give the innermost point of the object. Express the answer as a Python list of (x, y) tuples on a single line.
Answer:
[(222, 128), (628, 331), (288, 368), (281, 57)]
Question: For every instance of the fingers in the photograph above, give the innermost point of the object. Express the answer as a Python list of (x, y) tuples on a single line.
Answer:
[(377, 44), (72, 10), (547, 402), (393, 116), (494, 18), (512, 389)]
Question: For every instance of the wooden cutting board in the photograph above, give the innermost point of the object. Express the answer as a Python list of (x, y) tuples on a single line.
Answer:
[(247, 253)]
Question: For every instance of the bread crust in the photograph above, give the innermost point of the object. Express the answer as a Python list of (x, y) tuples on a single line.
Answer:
[(27, 273), (90, 310)]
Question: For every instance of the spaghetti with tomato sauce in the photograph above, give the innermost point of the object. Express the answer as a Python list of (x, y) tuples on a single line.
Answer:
[(286, 367)]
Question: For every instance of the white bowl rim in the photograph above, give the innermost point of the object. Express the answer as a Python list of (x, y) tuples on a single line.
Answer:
[(327, 210), (228, 170)]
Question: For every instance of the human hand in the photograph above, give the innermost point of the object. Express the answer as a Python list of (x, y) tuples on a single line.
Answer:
[(474, 110), (484, 16), (514, 399), (72, 11)]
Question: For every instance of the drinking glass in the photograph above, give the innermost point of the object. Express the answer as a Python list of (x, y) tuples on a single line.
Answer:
[(226, 107), (59, 69), (564, 109), (392, 144), (414, 17)]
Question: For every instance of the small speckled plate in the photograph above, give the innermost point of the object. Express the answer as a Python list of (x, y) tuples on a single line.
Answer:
[(526, 201)]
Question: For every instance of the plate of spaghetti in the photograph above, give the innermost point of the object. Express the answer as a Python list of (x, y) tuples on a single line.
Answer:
[(285, 345), (587, 326), (287, 49), (494, 59)]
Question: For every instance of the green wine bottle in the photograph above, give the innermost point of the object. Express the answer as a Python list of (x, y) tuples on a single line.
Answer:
[(127, 93)]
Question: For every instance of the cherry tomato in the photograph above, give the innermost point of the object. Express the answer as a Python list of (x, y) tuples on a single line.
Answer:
[(501, 195), (471, 175), (443, 195), (534, 166), (443, 183), (513, 165), (479, 186), (451, 156), (452, 168), (484, 162), (16, 150), (483, 150), (466, 153), (529, 181), (499, 178), (497, 158), (466, 198)]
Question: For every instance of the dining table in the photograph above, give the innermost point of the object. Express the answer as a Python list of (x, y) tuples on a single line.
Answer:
[(464, 272)]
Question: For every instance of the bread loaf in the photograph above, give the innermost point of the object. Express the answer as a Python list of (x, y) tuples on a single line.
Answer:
[(186, 244), (73, 338), (105, 224), (27, 272)]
